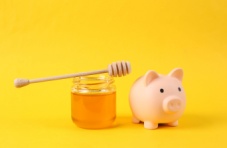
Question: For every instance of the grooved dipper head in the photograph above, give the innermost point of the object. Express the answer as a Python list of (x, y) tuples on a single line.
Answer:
[(120, 68)]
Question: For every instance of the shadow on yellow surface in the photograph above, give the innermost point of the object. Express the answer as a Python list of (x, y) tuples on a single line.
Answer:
[(187, 121)]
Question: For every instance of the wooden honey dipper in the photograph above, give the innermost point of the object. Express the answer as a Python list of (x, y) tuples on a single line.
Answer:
[(120, 68)]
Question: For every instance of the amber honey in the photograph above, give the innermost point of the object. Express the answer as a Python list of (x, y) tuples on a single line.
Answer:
[(93, 111), (93, 102)]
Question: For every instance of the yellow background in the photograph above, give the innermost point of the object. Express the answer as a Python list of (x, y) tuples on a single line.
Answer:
[(41, 38)]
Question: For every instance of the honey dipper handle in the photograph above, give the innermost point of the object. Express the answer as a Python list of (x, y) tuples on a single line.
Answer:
[(23, 82), (67, 76)]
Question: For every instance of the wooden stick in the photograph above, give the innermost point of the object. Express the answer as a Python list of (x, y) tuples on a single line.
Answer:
[(20, 82)]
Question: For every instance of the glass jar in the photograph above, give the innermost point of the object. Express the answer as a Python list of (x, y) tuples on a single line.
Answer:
[(93, 101)]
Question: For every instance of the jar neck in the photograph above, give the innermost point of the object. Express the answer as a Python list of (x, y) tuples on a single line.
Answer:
[(101, 83)]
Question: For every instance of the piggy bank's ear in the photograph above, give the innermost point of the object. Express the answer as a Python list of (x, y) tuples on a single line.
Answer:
[(150, 76), (177, 73)]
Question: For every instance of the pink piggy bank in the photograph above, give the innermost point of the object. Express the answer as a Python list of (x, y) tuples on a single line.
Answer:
[(158, 99)]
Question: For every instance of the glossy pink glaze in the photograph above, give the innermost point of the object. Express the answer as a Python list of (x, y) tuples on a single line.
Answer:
[(158, 99)]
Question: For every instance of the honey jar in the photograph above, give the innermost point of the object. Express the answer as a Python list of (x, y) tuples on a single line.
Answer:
[(93, 101)]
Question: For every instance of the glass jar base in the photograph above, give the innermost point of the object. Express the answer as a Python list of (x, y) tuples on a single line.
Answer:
[(94, 124)]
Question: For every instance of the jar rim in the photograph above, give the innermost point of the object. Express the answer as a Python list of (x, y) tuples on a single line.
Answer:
[(94, 79)]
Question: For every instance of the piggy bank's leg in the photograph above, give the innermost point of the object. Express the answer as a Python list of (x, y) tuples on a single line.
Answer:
[(150, 125), (175, 123), (135, 120)]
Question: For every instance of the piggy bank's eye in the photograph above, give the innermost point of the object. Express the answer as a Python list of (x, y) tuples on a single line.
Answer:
[(162, 90), (179, 88)]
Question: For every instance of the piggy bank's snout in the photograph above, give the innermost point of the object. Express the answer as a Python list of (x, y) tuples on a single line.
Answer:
[(172, 104)]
